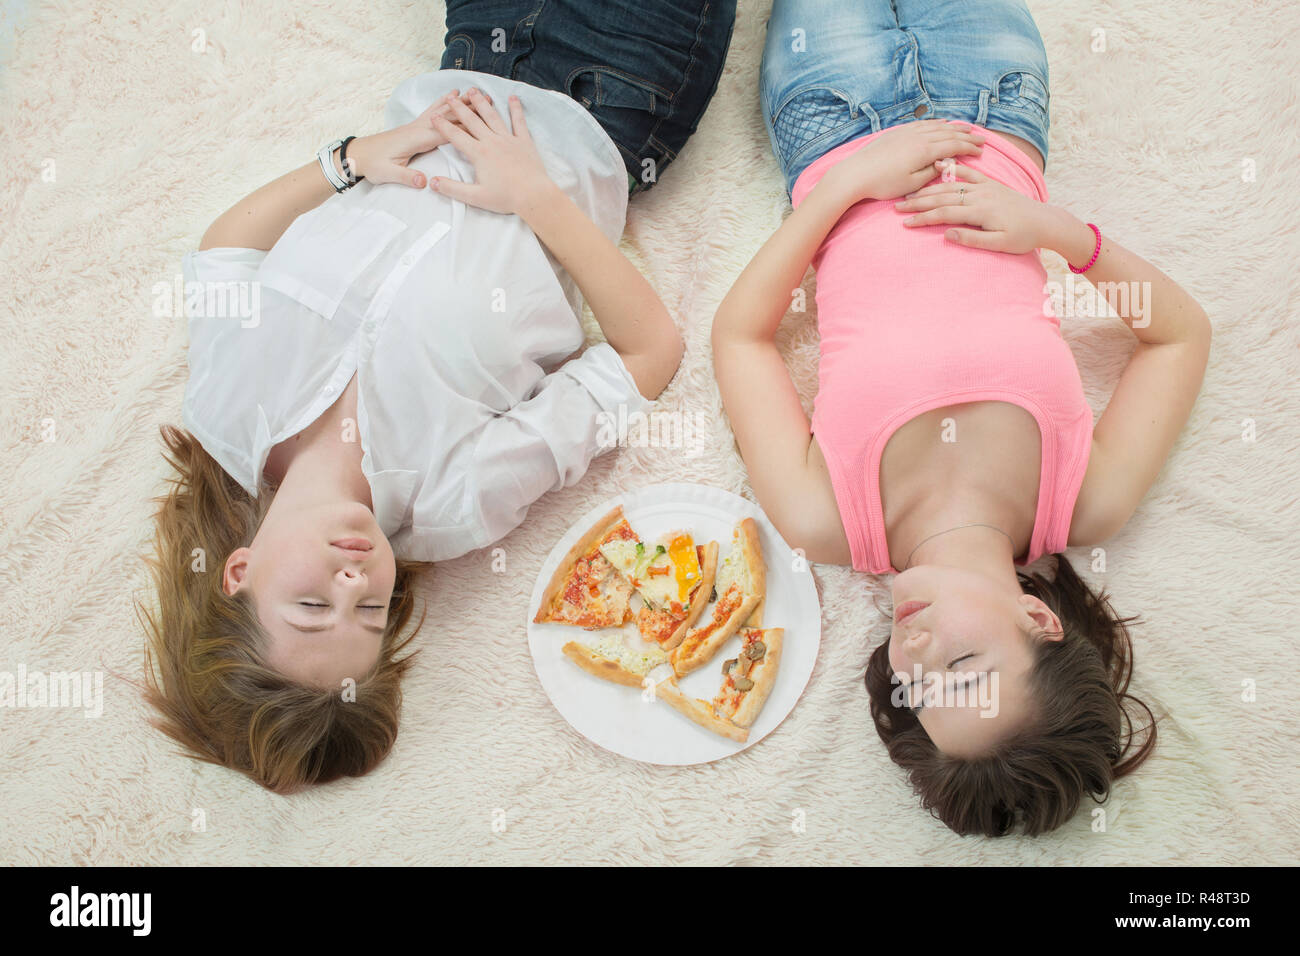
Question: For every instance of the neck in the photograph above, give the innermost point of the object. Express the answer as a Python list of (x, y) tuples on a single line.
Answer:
[(972, 547), (319, 467), (959, 525)]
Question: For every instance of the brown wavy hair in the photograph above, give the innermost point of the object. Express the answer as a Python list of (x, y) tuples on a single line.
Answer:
[(1079, 742), (206, 674)]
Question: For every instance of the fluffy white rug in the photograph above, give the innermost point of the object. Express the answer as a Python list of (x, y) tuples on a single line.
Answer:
[(122, 141)]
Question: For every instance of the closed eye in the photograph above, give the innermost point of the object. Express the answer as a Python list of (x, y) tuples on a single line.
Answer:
[(363, 607), (951, 664)]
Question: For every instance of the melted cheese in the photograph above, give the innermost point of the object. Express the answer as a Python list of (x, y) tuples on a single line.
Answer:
[(662, 579), (623, 555), (734, 568), (618, 647)]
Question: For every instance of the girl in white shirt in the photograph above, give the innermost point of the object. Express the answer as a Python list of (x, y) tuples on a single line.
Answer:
[(377, 380)]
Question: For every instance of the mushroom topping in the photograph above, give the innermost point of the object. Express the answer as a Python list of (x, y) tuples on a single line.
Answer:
[(756, 651), (744, 683)]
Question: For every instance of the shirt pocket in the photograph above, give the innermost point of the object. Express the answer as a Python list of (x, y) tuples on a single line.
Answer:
[(324, 251)]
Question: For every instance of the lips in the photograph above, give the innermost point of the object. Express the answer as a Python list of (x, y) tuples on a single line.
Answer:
[(357, 547), (907, 609)]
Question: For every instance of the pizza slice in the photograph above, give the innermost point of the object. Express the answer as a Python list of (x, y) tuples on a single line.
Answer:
[(741, 586), (614, 657), (585, 590), (747, 682), (673, 577)]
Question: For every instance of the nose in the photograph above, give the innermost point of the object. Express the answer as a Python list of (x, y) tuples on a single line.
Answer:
[(916, 641), (351, 576), (909, 647)]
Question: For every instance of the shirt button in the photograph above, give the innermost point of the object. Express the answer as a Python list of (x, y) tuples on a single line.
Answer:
[(407, 260)]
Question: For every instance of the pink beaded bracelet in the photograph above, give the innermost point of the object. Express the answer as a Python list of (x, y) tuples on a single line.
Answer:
[(1095, 253)]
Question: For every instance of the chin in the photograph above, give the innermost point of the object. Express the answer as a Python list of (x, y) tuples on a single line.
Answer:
[(358, 516), (901, 588)]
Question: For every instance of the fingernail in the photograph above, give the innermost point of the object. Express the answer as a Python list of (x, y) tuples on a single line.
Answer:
[(909, 220)]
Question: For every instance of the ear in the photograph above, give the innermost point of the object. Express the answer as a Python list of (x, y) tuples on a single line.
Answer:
[(1042, 622), (234, 574)]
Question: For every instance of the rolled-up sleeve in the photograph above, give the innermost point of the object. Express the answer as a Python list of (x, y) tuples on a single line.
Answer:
[(548, 441), (222, 264), (220, 407)]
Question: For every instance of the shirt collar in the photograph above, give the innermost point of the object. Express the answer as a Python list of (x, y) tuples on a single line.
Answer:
[(391, 489)]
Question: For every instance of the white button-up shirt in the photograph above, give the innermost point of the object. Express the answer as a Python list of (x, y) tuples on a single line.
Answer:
[(449, 316)]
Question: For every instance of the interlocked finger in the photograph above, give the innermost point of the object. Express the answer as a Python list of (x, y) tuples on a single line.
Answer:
[(470, 119), (487, 111), (455, 135)]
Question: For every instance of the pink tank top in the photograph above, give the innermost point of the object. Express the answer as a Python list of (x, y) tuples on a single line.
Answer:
[(910, 322)]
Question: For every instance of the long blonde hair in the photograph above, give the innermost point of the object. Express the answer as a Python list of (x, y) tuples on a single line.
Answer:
[(205, 670)]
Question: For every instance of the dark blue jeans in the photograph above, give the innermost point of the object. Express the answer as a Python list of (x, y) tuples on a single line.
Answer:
[(645, 69)]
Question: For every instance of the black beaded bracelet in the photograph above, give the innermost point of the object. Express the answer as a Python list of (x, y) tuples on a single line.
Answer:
[(343, 161)]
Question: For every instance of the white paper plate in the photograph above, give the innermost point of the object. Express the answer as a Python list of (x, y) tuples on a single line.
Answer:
[(617, 717)]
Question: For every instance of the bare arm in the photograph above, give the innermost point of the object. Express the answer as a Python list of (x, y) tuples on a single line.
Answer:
[(771, 427), (1156, 391), (630, 313), (773, 433), (259, 219), (512, 179)]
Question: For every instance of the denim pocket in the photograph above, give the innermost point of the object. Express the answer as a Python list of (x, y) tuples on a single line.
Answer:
[(459, 54), (807, 117), (601, 86), (1022, 90)]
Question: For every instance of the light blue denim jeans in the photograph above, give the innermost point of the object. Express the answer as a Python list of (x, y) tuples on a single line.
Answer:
[(835, 70)]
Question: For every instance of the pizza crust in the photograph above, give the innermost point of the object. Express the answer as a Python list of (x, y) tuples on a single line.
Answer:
[(751, 584), (707, 574), (756, 696), (702, 653), (753, 552), (699, 711), (580, 549), (755, 575), (600, 666)]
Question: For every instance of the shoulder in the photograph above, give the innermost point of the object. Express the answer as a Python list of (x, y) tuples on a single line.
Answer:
[(1103, 505), (807, 513)]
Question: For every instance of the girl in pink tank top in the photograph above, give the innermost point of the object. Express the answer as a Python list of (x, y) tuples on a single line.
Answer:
[(950, 441), (988, 331)]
